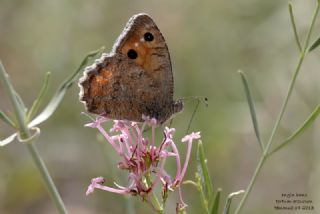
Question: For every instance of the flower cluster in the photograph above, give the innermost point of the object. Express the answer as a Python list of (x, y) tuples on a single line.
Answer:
[(143, 160)]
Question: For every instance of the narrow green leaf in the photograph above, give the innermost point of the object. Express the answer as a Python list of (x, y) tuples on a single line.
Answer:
[(5, 118), (315, 45), (293, 24), (36, 104), (203, 196), (191, 183), (8, 140), (203, 171), (58, 96), (252, 108), (307, 123), (17, 103), (20, 102), (216, 202), (226, 209), (90, 55)]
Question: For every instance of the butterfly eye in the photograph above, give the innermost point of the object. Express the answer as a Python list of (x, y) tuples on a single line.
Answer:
[(148, 37), (132, 54)]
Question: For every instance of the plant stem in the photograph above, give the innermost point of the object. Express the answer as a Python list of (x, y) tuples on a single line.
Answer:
[(4, 77), (25, 134), (154, 200), (252, 182), (294, 27), (53, 192), (293, 81), (265, 155)]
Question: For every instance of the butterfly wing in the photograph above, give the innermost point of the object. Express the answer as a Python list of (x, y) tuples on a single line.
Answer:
[(135, 78), (142, 36), (112, 86)]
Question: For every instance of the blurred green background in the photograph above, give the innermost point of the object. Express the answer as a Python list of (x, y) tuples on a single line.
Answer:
[(208, 41)]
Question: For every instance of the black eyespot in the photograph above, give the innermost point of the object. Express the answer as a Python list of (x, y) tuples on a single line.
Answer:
[(132, 54), (148, 37)]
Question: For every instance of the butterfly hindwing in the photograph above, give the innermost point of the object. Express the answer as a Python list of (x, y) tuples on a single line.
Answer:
[(135, 78)]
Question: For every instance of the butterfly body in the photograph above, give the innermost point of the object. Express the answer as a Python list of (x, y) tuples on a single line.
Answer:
[(135, 79)]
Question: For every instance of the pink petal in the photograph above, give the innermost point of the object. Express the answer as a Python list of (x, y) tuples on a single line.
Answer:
[(169, 132), (96, 184), (191, 137)]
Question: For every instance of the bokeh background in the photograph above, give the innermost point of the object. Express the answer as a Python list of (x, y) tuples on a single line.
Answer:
[(208, 41)]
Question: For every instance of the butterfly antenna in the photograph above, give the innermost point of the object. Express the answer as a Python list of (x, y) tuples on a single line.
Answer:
[(192, 116), (198, 100)]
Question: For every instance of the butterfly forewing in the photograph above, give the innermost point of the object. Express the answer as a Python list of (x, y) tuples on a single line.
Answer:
[(135, 78)]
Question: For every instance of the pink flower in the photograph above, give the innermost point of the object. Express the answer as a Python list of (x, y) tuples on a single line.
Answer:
[(143, 159), (96, 183), (169, 132), (188, 138), (191, 137), (149, 121), (97, 122)]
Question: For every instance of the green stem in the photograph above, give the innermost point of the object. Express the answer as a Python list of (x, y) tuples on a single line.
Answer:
[(25, 134), (294, 27), (53, 192), (20, 115), (265, 156), (252, 182), (204, 200), (293, 81), (154, 200)]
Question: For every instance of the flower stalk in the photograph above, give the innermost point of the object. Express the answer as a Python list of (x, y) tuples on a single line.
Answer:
[(24, 133), (265, 155), (144, 161), (154, 200)]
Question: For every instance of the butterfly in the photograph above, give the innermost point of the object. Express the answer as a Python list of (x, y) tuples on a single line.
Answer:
[(134, 79)]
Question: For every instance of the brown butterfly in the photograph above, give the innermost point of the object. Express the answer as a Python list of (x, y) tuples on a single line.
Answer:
[(134, 79)]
